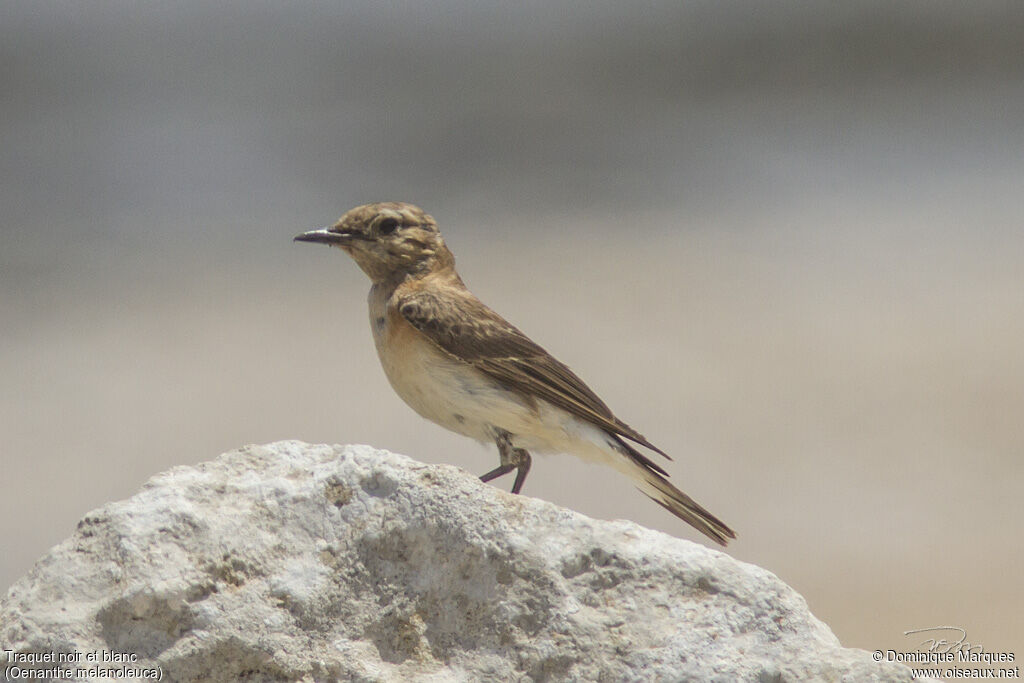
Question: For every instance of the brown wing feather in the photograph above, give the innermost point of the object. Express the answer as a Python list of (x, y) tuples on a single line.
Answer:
[(464, 327)]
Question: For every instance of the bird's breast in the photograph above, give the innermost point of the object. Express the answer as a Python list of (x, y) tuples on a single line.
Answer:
[(420, 373), (441, 388)]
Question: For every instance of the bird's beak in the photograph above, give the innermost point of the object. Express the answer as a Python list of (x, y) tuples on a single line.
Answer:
[(326, 236)]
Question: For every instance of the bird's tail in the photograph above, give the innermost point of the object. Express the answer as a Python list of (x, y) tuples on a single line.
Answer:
[(652, 480), (662, 492)]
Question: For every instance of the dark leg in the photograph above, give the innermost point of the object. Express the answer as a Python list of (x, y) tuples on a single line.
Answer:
[(524, 469), (497, 472), (511, 459)]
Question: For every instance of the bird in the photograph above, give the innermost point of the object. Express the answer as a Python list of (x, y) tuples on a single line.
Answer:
[(459, 364)]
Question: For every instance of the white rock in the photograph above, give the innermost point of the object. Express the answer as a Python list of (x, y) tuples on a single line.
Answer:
[(298, 562)]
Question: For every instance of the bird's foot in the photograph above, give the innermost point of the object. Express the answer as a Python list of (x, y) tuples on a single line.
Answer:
[(511, 459)]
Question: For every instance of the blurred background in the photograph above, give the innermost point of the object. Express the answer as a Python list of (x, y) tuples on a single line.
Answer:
[(784, 240)]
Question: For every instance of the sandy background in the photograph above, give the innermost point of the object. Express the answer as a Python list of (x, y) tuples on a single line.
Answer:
[(787, 246)]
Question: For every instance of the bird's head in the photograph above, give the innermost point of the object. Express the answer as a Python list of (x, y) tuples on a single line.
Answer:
[(387, 239)]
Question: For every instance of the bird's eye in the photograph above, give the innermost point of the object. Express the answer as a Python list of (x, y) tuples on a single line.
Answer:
[(388, 226)]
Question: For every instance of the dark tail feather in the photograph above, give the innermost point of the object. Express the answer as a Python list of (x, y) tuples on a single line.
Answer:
[(685, 508), (652, 480)]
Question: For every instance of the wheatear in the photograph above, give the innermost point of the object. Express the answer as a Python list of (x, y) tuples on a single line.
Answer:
[(459, 364)]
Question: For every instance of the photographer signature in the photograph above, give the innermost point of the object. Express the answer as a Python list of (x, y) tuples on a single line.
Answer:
[(940, 644)]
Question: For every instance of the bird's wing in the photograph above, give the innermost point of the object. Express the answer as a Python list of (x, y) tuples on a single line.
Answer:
[(461, 325)]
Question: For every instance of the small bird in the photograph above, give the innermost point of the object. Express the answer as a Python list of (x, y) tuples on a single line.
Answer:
[(461, 365)]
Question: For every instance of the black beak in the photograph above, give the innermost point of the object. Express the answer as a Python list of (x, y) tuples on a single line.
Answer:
[(327, 236)]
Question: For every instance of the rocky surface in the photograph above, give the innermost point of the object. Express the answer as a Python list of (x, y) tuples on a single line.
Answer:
[(291, 562)]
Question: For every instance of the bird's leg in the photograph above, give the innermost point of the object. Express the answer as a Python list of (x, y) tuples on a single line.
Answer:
[(521, 470), (511, 459)]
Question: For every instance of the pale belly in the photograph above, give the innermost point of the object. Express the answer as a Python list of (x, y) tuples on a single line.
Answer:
[(462, 399), (444, 390)]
